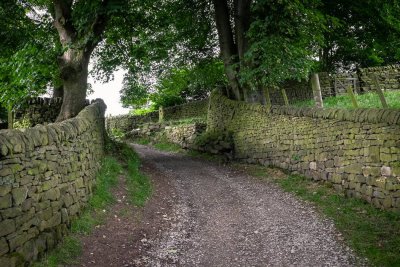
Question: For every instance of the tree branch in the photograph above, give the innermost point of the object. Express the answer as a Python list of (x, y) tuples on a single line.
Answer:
[(242, 24), (63, 21), (98, 26)]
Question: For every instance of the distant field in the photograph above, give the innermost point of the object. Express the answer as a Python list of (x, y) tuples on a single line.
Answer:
[(368, 100)]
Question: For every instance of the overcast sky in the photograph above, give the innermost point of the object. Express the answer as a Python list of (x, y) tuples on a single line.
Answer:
[(109, 92)]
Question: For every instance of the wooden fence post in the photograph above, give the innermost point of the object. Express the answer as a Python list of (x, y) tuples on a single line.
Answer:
[(285, 98), (352, 96), (316, 90), (160, 114), (379, 92)]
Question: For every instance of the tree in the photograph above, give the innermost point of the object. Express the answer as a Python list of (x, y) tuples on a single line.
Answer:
[(80, 26), (176, 86), (360, 34), (62, 61), (27, 57), (265, 42)]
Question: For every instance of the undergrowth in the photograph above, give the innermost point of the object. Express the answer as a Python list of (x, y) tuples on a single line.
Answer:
[(367, 100), (121, 159), (372, 233)]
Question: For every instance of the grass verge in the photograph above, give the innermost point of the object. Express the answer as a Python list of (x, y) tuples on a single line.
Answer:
[(368, 100), (372, 233), (139, 188)]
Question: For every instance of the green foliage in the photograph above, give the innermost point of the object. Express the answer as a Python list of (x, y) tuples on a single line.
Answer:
[(27, 58), (141, 111), (283, 39), (117, 134), (360, 34), (367, 100), (369, 231), (176, 86), (22, 123)]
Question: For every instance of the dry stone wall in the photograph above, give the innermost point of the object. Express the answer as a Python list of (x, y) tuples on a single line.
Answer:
[(128, 122), (388, 77), (184, 135), (40, 110), (357, 151), (46, 176)]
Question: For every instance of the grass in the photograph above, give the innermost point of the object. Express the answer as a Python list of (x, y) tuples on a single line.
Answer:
[(139, 188), (372, 233), (167, 146), (65, 253), (142, 141), (368, 100)]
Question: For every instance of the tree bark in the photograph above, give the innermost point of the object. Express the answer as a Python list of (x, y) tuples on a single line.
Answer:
[(227, 46), (58, 92), (74, 62), (74, 74)]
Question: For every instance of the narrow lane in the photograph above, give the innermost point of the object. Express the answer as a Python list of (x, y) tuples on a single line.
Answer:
[(221, 217)]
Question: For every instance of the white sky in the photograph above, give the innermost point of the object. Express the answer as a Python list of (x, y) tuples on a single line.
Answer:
[(109, 92)]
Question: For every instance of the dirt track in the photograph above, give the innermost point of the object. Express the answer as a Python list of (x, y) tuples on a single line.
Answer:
[(202, 214)]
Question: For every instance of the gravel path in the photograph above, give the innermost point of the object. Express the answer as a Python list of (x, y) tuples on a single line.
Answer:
[(222, 217)]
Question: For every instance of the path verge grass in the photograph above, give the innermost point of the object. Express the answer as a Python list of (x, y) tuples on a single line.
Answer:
[(374, 234), (367, 100), (121, 160), (139, 186)]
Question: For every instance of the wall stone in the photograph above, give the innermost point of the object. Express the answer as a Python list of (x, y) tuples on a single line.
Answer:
[(184, 135), (40, 110), (388, 77), (128, 122), (358, 151), (188, 110), (46, 177)]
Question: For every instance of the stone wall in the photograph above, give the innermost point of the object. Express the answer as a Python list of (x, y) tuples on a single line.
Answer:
[(40, 110), (184, 135), (128, 122), (188, 110), (388, 77), (295, 91), (358, 151), (46, 176)]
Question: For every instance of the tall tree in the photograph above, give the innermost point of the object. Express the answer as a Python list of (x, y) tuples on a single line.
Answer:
[(264, 42), (360, 34), (80, 26)]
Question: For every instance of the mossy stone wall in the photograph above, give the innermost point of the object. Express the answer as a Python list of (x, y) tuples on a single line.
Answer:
[(46, 177), (40, 110), (358, 151), (126, 123)]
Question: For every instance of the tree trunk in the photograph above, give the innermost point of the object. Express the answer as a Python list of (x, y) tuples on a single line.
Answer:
[(74, 73), (78, 47), (58, 92), (227, 46)]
